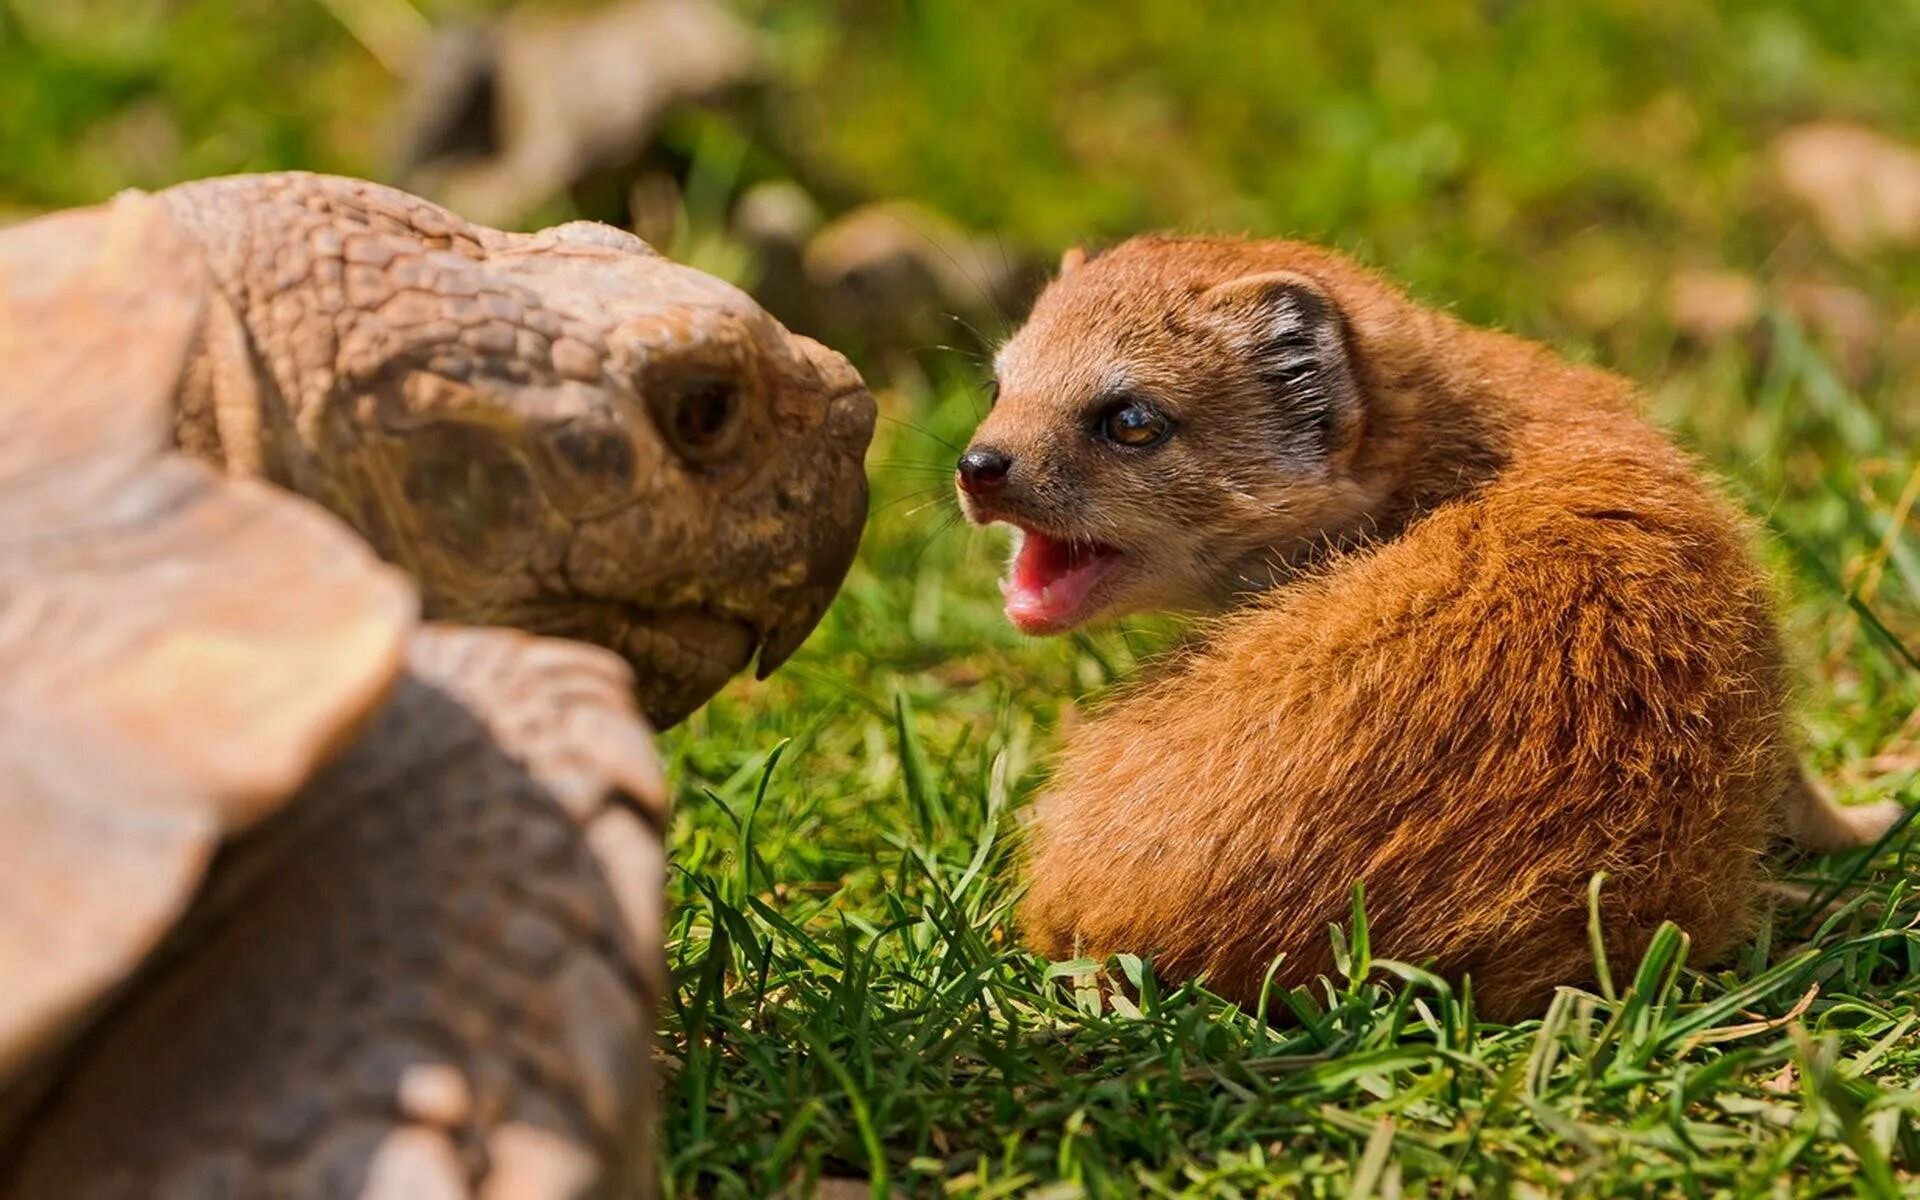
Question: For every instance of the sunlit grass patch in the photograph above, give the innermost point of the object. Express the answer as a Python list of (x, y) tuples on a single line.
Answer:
[(853, 1002)]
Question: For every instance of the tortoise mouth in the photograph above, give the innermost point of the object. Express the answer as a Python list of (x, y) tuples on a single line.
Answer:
[(680, 655)]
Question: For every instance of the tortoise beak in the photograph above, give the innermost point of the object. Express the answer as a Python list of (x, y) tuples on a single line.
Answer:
[(783, 639), (833, 535), (780, 644)]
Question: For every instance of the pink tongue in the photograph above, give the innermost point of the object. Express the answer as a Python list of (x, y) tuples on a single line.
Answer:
[(1048, 586)]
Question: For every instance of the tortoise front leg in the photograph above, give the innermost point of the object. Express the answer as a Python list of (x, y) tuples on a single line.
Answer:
[(433, 976)]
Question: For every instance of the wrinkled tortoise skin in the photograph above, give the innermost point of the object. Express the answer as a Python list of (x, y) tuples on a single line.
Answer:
[(299, 896), (560, 431), (428, 976)]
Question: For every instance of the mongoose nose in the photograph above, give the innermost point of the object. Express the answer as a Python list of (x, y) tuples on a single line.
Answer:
[(982, 470)]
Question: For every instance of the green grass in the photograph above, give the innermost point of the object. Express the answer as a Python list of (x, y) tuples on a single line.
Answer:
[(851, 1001)]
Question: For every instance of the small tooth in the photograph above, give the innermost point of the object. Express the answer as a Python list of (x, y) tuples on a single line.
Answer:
[(1046, 595)]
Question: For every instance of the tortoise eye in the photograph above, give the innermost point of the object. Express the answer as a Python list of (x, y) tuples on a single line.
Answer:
[(700, 414), (1133, 424), (704, 413)]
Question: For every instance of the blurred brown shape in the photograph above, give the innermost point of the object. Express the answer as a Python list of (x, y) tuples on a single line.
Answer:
[(890, 275), (1710, 305), (218, 719), (1861, 187), (500, 119), (1844, 319), (299, 897)]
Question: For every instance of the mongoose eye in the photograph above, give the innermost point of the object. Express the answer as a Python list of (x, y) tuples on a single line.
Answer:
[(993, 392), (1131, 423)]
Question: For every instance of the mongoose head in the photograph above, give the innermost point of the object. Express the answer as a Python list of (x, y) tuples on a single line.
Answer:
[(1179, 425)]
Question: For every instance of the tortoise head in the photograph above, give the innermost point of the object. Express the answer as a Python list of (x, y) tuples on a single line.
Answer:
[(615, 448)]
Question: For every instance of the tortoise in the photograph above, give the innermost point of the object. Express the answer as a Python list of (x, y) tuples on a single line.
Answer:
[(563, 431), (303, 894)]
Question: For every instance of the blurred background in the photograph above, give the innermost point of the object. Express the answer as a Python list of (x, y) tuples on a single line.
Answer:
[(1719, 199), (1677, 187), (1639, 175)]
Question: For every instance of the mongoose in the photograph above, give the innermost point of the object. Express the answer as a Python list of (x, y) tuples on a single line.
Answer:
[(1476, 631)]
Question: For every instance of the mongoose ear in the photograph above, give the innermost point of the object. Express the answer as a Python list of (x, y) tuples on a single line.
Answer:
[(1073, 259), (1295, 340)]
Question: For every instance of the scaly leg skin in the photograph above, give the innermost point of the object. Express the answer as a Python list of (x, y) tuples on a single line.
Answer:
[(434, 979), (1818, 822)]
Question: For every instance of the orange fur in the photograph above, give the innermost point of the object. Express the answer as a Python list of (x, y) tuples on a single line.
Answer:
[(1513, 639)]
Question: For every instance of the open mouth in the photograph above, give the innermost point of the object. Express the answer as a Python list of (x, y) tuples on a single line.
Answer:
[(1054, 582)]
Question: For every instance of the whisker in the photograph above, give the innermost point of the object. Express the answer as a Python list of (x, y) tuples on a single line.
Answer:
[(916, 494), (944, 527), (1012, 273), (973, 356), (973, 329), (922, 431), (982, 360), (993, 302), (941, 499), (928, 502), (942, 469)]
